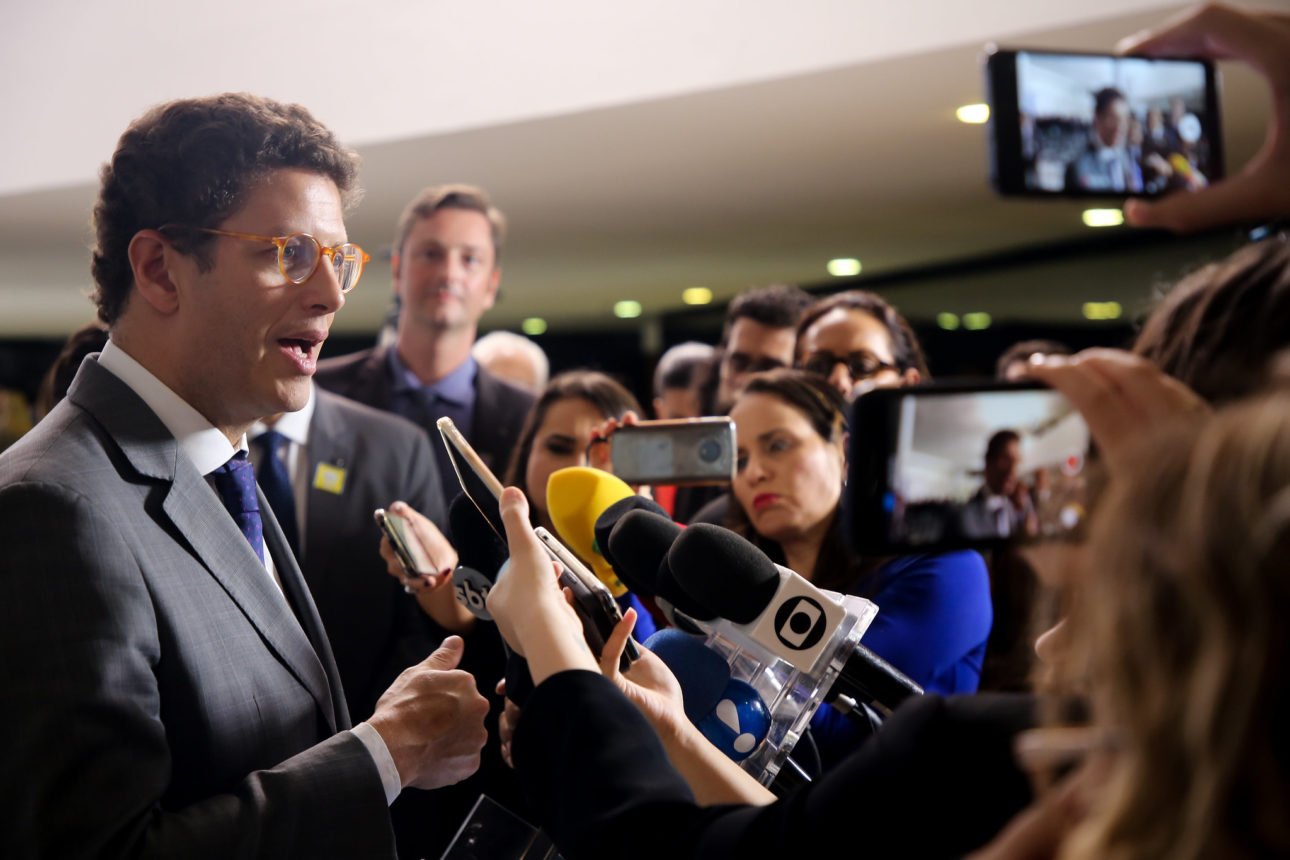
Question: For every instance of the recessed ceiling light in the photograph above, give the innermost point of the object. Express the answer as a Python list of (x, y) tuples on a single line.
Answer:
[(973, 114), (1102, 310), (696, 295), (533, 326), (1103, 217), (844, 267), (627, 309), (947, 321), (976, 321)]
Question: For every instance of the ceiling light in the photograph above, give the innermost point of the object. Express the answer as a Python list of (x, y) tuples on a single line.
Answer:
[(976, 321), (696, 295), (947, 321), (973, 114), (1103, 217), (1102, 310), (844, 267), (533, 326), (627, 309)]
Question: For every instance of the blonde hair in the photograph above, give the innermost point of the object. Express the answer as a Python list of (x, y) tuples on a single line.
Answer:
[(1180, 630)]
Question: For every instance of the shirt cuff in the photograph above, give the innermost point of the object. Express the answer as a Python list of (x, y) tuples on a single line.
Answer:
[(381, 757)]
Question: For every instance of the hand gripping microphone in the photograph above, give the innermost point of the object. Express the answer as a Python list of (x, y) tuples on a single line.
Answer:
[(728, 712), (816, 632)]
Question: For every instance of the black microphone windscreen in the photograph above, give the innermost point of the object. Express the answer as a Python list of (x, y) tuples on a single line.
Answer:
[(723, 572), (639, 542), (666, 589), (611, 515), (476, 543)]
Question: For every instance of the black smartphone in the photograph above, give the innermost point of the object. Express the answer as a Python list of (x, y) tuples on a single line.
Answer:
[(949, 466), (683, 452), (1097, 125)]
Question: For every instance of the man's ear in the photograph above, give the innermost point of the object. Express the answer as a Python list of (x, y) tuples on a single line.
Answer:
[(152, 259), (494, 284), (396, 262)]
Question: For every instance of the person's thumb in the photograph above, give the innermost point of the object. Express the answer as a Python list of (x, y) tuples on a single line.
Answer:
[(447, 655)]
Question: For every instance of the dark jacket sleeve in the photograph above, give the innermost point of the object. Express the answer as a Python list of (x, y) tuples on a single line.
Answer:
[(937, 781)]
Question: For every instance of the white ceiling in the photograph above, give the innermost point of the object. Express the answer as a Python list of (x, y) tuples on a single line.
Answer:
[(637, 149)]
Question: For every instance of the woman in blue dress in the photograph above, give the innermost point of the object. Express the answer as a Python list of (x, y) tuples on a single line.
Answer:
[(934, 611)]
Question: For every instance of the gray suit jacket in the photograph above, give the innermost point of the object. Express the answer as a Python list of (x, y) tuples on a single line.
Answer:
[(159, 698), (375, 630)]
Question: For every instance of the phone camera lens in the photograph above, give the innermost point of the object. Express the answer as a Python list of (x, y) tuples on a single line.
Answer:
[(709, 450)]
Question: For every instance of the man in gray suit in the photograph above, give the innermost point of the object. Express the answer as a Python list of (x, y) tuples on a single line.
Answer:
[(167, 688)]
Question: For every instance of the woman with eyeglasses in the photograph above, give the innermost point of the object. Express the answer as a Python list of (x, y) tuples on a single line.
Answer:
[(858, 341), (934, 611)]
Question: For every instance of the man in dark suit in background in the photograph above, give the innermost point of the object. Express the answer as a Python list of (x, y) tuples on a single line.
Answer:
[(446, 266), (167, 688), (325, 470)]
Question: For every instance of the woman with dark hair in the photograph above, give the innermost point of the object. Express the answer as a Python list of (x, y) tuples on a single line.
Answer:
[(559, 428), (858, 341), (933, 610), (556, 435)]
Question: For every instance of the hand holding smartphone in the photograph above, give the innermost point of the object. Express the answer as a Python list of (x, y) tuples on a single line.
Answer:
[(947, 466), (1098, 125), (681, 452), (409, 550)]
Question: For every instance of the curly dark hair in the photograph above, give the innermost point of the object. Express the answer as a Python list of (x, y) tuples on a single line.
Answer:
[(776, 306), (191, 162), (905, 348)]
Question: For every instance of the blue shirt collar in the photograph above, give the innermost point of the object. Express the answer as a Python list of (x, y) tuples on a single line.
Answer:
[(457, 387)]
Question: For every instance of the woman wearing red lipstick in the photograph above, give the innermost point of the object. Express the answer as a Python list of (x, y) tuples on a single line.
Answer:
[(934, 610)]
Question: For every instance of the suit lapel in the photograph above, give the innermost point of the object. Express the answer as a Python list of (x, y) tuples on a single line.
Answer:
[(196, 511), (194, 508)]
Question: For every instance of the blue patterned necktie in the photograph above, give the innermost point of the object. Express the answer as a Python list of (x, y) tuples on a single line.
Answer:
[(275, 481), (235, 481)]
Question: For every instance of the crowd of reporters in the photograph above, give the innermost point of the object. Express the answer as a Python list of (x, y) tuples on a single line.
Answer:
[(1148, 726)]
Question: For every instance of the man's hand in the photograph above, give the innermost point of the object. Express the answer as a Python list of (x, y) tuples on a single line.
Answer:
[(432, 720)]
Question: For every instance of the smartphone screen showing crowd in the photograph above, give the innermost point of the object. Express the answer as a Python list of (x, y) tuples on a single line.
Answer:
[(1096, 125), (939, 467)]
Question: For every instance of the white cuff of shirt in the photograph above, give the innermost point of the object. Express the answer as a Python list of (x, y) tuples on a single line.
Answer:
[(381, 757)]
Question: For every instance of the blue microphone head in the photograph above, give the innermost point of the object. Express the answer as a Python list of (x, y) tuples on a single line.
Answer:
[(702, 673), (739, 722)]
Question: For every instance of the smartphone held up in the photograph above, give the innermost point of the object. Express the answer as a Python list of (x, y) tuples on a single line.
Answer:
[(945, 466), (1098, 125)]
